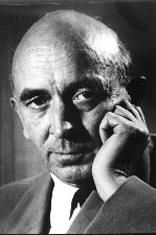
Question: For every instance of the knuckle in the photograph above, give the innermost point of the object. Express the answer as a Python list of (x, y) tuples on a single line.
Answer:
[(127, 130), (109, 115)]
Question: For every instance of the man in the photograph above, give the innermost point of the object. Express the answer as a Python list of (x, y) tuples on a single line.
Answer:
[(70, 74)]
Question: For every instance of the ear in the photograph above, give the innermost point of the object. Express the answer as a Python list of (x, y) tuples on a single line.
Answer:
[(14, 105), (136, 90)]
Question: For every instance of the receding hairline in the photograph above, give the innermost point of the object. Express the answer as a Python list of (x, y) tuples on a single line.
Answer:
[(65, 19), (63, 22)]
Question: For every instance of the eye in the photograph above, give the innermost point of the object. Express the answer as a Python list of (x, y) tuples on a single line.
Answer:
[(85, 99), (84, 95), (38, 102)]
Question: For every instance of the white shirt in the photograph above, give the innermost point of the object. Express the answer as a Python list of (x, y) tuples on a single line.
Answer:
[(62, 196)]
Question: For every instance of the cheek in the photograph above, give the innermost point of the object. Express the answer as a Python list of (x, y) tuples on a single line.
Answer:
[(37, 128), (91, 120)]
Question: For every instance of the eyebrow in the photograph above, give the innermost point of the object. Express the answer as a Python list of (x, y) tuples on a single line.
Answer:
[(90, 82), (27, 93)]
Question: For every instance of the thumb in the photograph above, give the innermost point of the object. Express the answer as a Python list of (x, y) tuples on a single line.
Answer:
[(105, 130)]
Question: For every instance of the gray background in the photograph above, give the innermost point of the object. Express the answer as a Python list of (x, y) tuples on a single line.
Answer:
[(135, 23)]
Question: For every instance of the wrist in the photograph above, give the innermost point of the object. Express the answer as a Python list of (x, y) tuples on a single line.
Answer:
[(109, 182)]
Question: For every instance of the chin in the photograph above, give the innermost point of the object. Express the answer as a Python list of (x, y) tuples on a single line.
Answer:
[(73, 175)]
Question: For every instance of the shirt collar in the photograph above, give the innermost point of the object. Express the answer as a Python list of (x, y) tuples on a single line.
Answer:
[(61, 203)]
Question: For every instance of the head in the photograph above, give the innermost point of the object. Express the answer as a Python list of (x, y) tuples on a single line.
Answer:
[(68, 71)]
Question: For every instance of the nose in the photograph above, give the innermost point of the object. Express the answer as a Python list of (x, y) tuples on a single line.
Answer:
[(59, 123)]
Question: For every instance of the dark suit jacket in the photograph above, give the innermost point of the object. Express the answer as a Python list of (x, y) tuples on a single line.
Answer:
[(25, 208)]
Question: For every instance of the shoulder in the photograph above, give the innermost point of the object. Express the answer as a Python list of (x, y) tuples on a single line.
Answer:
[(130, 209), (11, 194), (17, 187)]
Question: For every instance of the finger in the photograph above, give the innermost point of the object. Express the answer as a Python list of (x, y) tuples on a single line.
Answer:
[(144, 121), (124, 113), (104, 129), (121, 125), (132, 109), (141, 114), (114, 121), (125, 103)]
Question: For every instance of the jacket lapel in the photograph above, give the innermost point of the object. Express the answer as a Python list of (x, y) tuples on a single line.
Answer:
[(87, 214), (31, 215)]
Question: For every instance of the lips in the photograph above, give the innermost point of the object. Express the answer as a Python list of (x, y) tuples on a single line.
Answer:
[(67, 152), (72, 152), (66, 147), (72, 158)]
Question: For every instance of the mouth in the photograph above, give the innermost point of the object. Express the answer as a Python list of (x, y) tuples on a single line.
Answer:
[(70, 152), (72, 157), (73, 150)]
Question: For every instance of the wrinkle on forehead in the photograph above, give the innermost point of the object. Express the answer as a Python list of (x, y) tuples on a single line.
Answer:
[(58, 34), (47, 57)]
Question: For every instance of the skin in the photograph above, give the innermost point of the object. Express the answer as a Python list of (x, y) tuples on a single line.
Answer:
[(68, 119), (45, 125)]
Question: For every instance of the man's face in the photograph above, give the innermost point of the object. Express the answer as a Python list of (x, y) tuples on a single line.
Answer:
[(61, 110)]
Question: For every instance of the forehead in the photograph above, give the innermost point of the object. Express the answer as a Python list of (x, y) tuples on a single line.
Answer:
[(45, 65), (56, 54)]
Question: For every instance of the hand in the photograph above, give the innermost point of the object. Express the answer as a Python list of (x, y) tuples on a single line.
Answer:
[(124, 135)]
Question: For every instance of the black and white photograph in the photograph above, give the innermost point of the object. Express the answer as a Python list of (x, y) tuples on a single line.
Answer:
[(77, 116)]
